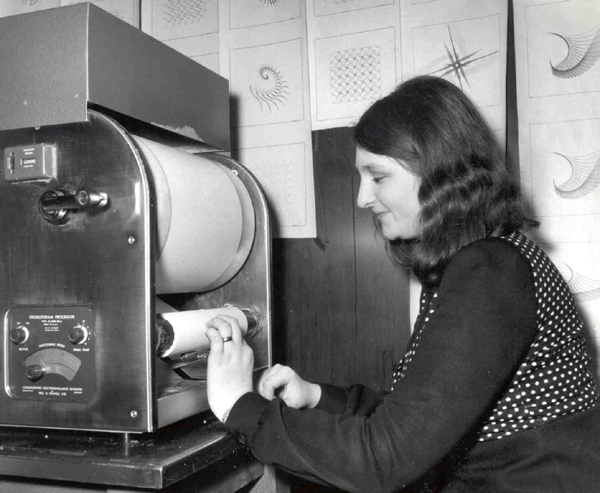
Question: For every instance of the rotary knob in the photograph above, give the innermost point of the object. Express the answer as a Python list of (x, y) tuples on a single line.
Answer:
[(78, 334), (19, 335), (35, 372)]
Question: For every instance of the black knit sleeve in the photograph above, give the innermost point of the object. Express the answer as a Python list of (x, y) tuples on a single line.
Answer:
[(477, 331)]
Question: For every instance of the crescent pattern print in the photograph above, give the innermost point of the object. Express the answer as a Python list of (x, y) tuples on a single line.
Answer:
[(583, 53), (585, 176)]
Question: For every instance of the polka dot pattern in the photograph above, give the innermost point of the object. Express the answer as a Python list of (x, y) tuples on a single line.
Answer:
[(553, 381), (425, 309)]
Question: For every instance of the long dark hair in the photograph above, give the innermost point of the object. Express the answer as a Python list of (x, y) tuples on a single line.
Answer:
[(466, 191)]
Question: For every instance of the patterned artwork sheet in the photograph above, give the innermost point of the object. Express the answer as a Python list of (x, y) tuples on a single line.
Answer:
[(464, 42), (268, 80), (474, 44), (562, 51), (352, 71), (354, 57), (281, 171)]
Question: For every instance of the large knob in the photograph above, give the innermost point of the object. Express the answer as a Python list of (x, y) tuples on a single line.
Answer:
[(19, 335), (35, 372), (78, 334)]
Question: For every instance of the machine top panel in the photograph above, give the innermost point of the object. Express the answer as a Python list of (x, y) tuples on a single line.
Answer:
[(56, 61)]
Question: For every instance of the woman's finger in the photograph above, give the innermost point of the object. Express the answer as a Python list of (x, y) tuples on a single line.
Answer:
[(236, 331), (216, 344), (223, 326)]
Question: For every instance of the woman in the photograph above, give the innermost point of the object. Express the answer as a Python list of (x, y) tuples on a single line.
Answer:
[(493, 393)]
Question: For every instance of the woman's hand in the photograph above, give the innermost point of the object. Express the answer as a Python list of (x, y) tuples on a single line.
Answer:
[(294, 391), (230, 365)]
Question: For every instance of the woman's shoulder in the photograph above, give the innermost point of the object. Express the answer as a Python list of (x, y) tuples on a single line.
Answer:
[(490, 260), (492, 251)]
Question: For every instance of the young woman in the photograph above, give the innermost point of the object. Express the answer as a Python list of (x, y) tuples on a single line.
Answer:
[(493, 393)]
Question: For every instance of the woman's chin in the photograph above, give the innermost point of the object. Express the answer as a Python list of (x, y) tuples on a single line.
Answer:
[(394, 235)]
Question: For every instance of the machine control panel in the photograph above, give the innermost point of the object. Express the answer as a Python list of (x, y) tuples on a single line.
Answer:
[(50, 352), (36, 162)]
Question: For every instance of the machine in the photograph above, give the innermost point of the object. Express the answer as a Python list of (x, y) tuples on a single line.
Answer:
[(124, 226)]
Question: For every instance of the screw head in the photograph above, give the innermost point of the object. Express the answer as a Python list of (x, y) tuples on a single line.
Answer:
[(131, 240), (133, 414)]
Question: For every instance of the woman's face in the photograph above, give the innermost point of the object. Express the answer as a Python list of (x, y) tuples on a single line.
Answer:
[(390, 191)]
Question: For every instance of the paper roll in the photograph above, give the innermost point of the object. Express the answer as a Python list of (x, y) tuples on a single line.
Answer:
[(189, 328), (200, 220)]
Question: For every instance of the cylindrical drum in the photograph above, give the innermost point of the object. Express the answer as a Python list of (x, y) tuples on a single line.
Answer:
[(205, 219)]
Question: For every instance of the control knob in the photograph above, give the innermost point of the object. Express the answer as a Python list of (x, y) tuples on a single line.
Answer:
[(19, 335), (78, 334), (35, 372)]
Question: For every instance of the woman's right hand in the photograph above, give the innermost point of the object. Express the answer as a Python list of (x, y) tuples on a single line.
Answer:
[(283, 382)]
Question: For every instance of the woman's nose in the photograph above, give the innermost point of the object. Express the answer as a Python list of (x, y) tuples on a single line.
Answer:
[(364, 198)]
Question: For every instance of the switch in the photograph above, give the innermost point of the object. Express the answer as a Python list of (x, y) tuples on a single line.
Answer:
[(10, 162), (35, 162)]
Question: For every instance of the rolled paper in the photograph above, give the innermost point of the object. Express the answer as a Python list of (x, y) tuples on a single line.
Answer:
[(189, 328), (199, 219)]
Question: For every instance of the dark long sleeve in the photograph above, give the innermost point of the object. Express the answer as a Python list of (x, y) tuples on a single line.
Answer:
[(477, 330)]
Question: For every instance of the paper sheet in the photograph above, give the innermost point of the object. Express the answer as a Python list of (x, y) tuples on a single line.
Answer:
[(558, 87), (463, 41), (354, 57)]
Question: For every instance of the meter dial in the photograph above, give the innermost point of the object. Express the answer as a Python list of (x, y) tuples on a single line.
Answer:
[(51, 360)]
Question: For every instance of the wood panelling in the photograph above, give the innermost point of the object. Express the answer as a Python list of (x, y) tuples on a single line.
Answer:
[(340, 306)]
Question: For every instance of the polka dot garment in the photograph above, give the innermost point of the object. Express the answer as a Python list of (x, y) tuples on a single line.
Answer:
[(553, 381), (424, 309)]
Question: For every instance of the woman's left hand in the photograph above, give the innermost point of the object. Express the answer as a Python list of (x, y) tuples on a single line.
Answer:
[(230, 365)]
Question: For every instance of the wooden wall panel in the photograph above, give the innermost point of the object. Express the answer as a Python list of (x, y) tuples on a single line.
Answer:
[(340, 307)]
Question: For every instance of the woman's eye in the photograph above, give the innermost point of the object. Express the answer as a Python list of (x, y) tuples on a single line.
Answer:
[(377, 179)]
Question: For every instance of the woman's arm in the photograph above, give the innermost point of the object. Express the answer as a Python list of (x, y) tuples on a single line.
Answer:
[(480, 327)]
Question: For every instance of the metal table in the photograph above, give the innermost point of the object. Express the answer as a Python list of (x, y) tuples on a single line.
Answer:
[(194, 455)]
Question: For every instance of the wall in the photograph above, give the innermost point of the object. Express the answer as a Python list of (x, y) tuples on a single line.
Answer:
[(341, 308)]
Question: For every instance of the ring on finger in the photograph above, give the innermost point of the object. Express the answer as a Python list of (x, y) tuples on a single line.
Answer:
[(227, 339)]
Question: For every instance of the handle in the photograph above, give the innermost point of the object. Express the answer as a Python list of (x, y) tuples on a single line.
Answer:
[(56, 205)]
